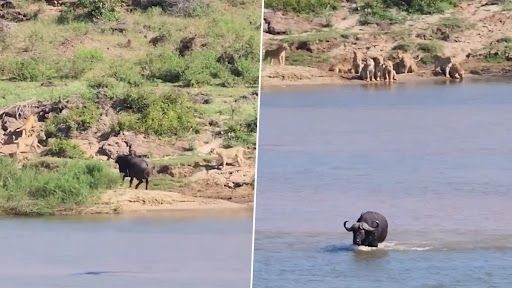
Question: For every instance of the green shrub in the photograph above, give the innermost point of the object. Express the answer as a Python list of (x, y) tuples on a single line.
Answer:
[(26, 69), (241, 132), (303, 6), (35, 190), (404, 46), (63, 148), (375, 12), (432, 47), (455, 24), (83, 61), (90, 10), (422, 6), (126, 72), (165, 65), (201, 69), (250, 71), (76, 119), (167, 114)]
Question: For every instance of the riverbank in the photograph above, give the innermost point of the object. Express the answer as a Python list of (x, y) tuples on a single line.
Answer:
[(129, 201), (475, 33), (278, 77)]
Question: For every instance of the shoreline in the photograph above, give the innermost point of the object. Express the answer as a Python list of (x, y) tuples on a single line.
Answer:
[(274, 84), (138, 202)]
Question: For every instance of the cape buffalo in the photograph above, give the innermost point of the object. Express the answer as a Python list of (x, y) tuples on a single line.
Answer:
[(370, 229), (134, 167)]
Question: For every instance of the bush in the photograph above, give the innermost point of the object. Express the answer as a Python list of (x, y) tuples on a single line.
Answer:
[(374, 12), (168, 114), (303, 6), (26, 69), (83, 61), (165, 65), (404, 46), (432, 47), (33, 190), (422, 6), (90, 10), (201, 69), (241, 131), (77, 119), (63, 148)]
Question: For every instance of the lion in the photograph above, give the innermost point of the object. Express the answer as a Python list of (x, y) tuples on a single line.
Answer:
[(342, 65), (368, 70), (406, 64), (27, 125), (32, 142), (443, 64), (456, 71), (388, 71), (357, 62), (229, 154), (278, 53), (379, 67)]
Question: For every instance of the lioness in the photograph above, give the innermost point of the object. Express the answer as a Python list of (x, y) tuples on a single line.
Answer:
[(357, 62), (230, 153), (368, 70), (32, 142), (27, 125), (278, 53), (456, 71), (388, 71), (379, 67), (443, 64), (406, 64)]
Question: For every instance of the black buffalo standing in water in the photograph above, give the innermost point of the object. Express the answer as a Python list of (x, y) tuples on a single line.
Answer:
[(370, 229)]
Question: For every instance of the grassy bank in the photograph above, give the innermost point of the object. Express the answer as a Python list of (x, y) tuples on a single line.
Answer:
[(144, 64), (44, 186)]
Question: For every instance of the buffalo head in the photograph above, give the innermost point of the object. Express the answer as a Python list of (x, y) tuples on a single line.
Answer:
[(362, 232)]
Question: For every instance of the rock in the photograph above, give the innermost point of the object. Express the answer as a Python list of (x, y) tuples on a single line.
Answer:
[(7, 4), (120, 27), (306, 46), (274, 23), (251, 97), (112, 147), (202, 98), (158, 40), (10, 124), (189, 44), (48, 83), (226, 58), (14, 15)]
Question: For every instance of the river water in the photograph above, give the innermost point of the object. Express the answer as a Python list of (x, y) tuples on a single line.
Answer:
[(179, 249), (435, 159)]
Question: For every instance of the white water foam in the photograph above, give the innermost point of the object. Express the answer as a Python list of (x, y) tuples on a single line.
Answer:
[(394, 246)]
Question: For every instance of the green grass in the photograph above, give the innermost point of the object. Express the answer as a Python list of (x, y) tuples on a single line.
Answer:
[(303, 6), (13, 92), (303, 58), (43, 186), (431, 47), (455, 24)]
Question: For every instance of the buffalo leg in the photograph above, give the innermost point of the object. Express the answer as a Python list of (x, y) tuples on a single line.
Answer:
[(139, 181), (131, 181), (147, 183)]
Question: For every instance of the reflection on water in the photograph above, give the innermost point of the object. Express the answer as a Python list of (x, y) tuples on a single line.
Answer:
[(208, 249), (433, 158)]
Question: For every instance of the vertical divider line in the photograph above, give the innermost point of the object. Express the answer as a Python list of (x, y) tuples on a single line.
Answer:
[(262, 10)]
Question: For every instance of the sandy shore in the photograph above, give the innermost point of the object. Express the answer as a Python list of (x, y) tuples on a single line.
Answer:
[(286, 77), (141, 201)]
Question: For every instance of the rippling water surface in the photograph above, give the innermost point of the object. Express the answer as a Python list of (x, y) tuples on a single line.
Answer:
[(157, 250), (435, 159)]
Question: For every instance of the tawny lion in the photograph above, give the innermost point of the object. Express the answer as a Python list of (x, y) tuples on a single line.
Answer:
[(229, 154), (278, 53)]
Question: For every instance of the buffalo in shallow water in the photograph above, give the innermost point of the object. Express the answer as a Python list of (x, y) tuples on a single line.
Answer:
[(370, 229)]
